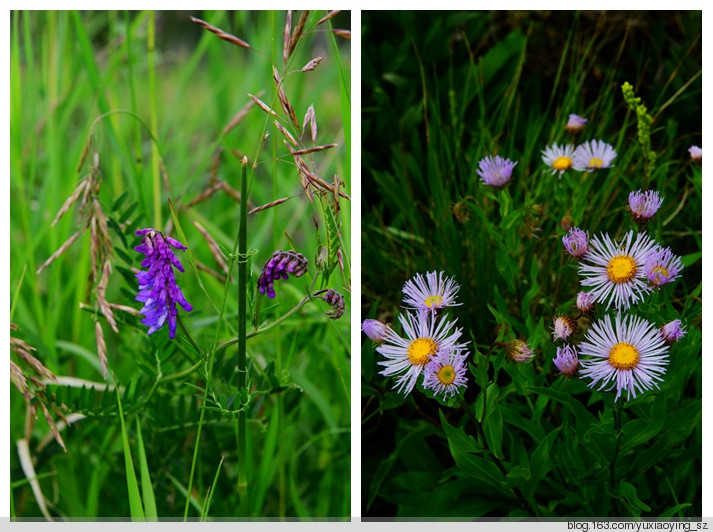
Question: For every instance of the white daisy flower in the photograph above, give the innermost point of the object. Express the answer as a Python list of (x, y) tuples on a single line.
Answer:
[(593, 155), (426, 336), (446, 373), (627, 353), (617, 272), (430, 293), (559, 158)]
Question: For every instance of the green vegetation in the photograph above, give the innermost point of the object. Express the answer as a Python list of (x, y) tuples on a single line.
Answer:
[(147, 117)]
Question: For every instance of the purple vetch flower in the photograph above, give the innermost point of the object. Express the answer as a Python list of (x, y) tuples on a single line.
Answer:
[(575, 124), (696, 153), (585, 301), (662, 266), (672, 331), (644, 205), (280, 265), (335, 300), (567, 360), (375, 330), (576, 242), (495, 171), (157, 286)]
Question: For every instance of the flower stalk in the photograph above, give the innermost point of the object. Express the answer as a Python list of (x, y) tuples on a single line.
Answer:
[(242, 324)]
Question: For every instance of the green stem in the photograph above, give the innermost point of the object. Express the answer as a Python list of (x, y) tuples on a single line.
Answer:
[(151, 45), (282, 318), (242, 324), (617, 429)]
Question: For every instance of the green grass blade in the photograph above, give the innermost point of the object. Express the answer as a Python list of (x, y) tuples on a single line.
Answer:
[(211, 491), (137, 511), (146, 487)]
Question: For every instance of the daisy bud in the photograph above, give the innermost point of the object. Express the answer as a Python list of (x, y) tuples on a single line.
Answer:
[(696, 153), (585, 301), (518, 351), (375, 330), (567, 360), (496, 171), (575, 124), (644, 205), (563, 326), (672, 331), (576, 242)]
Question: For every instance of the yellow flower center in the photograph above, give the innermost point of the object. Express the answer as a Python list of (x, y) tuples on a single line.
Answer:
[(595, 162), (420, 350), (562, 163), (621, 269), (659, 273), (624, 356), (446, 374), (433, 301)]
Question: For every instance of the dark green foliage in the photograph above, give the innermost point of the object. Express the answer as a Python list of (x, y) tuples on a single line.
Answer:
[(440, 91)]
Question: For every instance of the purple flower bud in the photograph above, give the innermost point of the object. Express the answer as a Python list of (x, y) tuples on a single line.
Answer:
[(157, 286), (696, 153), (280, 265), (585, 301), (575, 124), (495, 171), (335, 300), (567, 360), (644, 205), (576, 242), (375, 330), (672, 331), (518, 351)]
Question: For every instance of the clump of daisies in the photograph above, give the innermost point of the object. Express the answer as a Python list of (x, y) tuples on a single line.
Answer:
[(619, 351), (586, 157), (429, 346)]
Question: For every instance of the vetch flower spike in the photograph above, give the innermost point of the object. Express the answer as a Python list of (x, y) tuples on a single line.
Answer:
[(335, 300), (157, 286), (280, 265)]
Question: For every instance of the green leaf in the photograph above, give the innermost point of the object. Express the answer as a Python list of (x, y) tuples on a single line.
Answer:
[(627, 492), (638, 431), (461, 447), (540, 463), (493, 430), (584, 418)]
